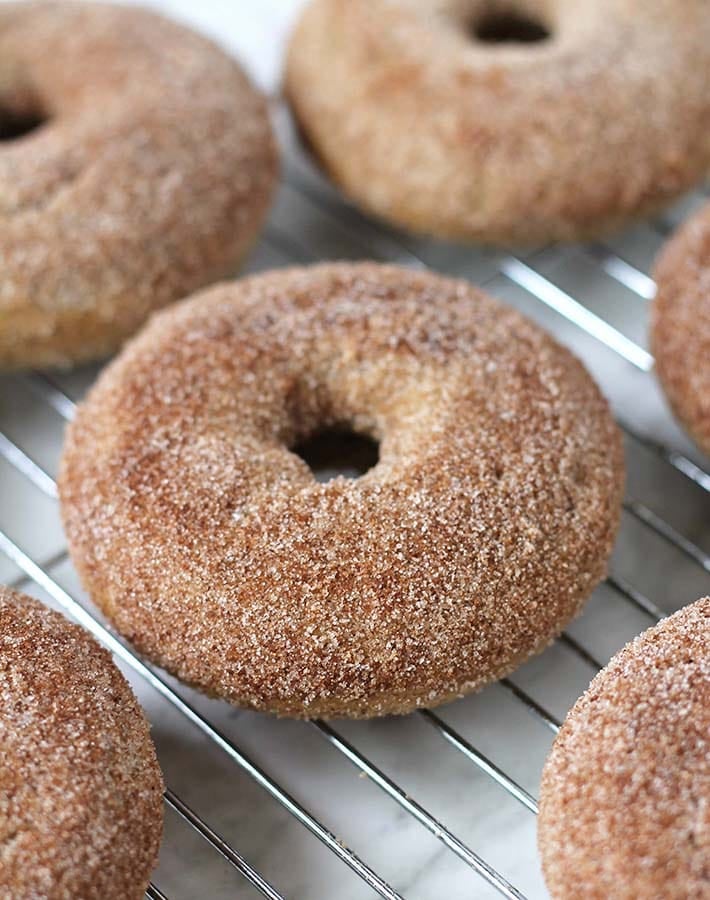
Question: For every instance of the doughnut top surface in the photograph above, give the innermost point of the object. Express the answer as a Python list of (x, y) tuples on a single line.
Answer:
[(681, 325), (484, 525), (147, 175), (625, 801), (427, 115), (80, 787)]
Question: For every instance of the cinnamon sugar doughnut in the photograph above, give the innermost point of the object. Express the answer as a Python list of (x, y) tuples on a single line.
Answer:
[(680, 329), (147, 175), (505, 120), (625, 801), (81, 808), (485, 524)]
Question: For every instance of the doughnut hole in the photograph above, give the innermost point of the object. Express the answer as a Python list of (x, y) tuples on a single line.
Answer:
[(508, 24), (20, 117), (338, 451)]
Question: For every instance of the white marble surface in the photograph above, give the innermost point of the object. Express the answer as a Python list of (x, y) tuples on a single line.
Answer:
[(309, 222)]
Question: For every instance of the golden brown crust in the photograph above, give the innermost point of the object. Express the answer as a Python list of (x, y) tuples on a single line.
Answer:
[(680, 330), (624, 809), (485, 524), (150, 178), (81, 809), (426, 127)]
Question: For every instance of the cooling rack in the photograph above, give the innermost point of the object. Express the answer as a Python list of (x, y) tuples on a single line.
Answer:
[(440, 803)]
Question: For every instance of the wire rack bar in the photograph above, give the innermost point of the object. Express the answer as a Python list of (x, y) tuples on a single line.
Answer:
[(418, 812), (50, 563), (667, 531), (685, 466), (44, 386), (557, 299), (552, 723), (622, 271), (577, 648), (154, 893), (622, 587), (76, 611), (29, 468), (221, 846), (478, 759)]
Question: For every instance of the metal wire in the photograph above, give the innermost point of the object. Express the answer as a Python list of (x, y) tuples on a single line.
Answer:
[(622, 271), (577, 648), (626, 590), (685, 466), (533, 707), (415, 809), (221, 846), (22, 462), (537, 285), (665, 530), (478, 759)]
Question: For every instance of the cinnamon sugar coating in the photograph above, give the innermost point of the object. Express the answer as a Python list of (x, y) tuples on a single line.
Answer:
[(484, 526), (625, 798), (427, 126), (680, 330), (81, 810), (149, 178)]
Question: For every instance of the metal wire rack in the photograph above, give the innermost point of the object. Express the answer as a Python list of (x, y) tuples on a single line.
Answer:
[(445, 804)]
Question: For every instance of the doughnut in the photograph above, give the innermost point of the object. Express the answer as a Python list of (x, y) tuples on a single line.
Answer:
[(136, 165), (680, 329), (505, 121), (624, 809), (81, 810), (484, 525)]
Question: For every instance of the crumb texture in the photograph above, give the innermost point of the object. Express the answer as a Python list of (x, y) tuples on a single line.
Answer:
[(148, 177), (625, 799), (81, 808), (486, 522), (680, 329), (424, 125)]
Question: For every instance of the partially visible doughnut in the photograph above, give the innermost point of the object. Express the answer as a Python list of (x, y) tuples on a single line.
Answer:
[(425, 119), (625, 798), (147, 177), (81, 810), (680, 331), (471, 543)]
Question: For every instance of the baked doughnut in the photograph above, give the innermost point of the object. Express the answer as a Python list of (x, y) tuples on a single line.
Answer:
[(485, 524), (147, 176), (449, 117), (81, 810), (624, 805), (680, 331)]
